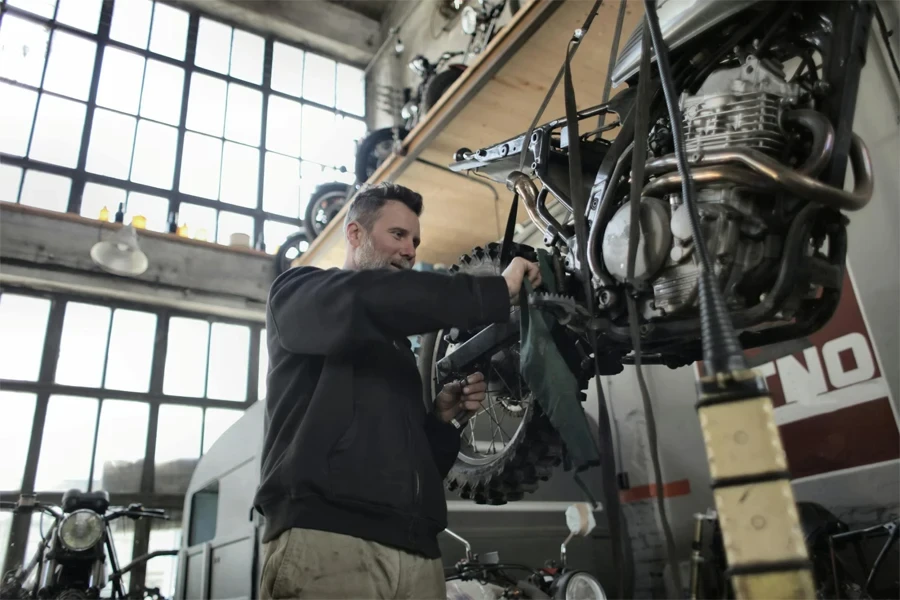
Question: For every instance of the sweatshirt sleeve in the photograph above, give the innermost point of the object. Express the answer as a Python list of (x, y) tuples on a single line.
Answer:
[(444, 441), (322, 312)]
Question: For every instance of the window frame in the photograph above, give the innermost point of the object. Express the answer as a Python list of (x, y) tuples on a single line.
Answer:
[(45, 387), (79, 176)]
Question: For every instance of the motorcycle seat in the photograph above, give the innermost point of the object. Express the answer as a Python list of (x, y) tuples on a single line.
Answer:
[(75, 499)]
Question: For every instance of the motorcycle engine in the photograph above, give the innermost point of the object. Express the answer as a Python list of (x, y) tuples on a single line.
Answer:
[(736, 107)]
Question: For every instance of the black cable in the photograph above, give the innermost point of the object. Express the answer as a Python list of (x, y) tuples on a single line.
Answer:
[(886, 36), (638, 158), (721, 349)]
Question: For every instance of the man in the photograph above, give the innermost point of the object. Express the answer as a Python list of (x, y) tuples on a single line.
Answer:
[(353, 462)]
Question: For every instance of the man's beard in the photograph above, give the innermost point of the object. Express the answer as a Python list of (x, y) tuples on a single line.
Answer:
[(367, 257)]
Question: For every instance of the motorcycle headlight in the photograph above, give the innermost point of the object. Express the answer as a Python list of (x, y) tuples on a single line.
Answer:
[(581, 586), (469, 20), (81, 530)]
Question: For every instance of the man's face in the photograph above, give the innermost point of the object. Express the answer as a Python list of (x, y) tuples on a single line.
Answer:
[(392, 242)]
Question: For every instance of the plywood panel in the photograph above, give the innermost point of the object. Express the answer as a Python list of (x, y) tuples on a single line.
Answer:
[(486, 107)]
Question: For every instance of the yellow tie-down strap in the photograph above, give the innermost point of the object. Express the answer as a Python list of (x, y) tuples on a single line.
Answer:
[(764, 545)]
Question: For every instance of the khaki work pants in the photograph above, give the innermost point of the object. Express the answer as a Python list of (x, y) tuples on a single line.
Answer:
[(304, 563)]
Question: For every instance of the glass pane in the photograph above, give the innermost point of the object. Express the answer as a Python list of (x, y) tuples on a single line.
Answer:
[(10, 182), (131, 22), (275, 233), (40, 527), (230, 223), (23, 48), (162, 570), (229, 355), (121, 74), (349, 133), (83, 345), (70, 67), (112, 140), (17, 106), (206, 104), (57, 131), (154, 155), (200, 221), (177, 447), (15, 435), (287, 69), (281, 185), (81, 14), (43, 8), (201, 164), (130, 350), (312, 175), (213, 46), (153, 208), (247, 52), (96, 197), (263, 363), (244, 114), (169, 34), (121, 444), (240, 175), (185, 373), (283, 125), (215, 423), (318, 79), (23, 321), (67, 444), (43, 190), (318, 141), (351, 90), (163, 90)]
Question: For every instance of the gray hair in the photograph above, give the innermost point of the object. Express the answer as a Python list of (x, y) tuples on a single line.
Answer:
[(368, 203)]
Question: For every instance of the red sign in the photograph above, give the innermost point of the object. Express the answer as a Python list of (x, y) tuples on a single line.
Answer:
[(832, 404)]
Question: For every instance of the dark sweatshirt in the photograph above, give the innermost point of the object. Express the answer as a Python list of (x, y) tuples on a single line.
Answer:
[(349, 444)]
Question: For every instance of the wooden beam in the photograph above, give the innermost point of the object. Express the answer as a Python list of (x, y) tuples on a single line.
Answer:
[(496, 99)]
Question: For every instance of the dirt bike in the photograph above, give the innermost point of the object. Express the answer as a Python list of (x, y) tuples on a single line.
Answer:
[(70, 561), (486, 577), (479, 23), (768, 92)]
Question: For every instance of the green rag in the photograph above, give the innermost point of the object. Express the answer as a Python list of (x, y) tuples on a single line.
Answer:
[(552, 384)]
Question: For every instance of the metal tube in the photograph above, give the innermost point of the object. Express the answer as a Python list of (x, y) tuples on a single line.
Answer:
[(788, 179), (602, 213), (823, 139), (671, 182), (520, 183)]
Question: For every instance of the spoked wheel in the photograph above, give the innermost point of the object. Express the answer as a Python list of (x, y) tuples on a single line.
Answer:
[(508, 446), (325, 203)]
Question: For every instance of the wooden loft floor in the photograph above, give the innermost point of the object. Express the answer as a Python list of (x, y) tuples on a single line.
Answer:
[(495, 99)]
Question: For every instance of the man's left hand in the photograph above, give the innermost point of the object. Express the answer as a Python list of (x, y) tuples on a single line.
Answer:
[(459, 396)]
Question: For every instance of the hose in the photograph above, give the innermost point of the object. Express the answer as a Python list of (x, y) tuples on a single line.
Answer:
[(721, 349)]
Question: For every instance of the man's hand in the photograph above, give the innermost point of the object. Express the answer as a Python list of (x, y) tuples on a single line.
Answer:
[(457, 396), (519, 269)]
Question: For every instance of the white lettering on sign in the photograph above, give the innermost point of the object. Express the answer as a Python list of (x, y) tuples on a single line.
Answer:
[(806, 390), (865, 364)]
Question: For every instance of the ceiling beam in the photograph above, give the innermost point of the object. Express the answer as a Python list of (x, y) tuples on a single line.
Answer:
[(331, 29)]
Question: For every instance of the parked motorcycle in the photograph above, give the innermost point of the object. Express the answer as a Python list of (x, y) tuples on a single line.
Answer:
[(479, 22), (486, 578), (70, 561)]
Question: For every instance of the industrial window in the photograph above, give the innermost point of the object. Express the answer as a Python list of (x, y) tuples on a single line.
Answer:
[(170, 113), (113, 380)]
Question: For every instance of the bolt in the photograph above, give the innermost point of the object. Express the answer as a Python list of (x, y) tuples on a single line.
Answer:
[(645, 329), (758, 521)]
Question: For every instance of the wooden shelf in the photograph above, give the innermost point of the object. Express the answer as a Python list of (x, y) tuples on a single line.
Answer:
[(495, 99)]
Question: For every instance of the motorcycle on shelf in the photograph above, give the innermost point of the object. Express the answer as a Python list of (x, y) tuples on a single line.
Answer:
[(479, 22), (72, 556), (487, 578)]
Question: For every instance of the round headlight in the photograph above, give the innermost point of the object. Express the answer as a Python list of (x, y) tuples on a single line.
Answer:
[(81, 530), (582, 586), (469, 20)]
